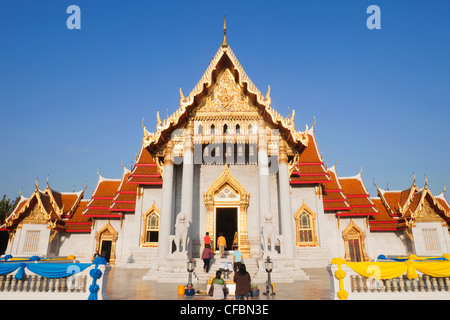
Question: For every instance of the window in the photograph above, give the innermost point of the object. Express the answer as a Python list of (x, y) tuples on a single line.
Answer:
[(31, 241), (305, 227), (200, 130), (226, 194), (431, 239), (152, 231), (238, 129), (225, 129), (354, 243), (355, 250), (213, 129), (150, 227)]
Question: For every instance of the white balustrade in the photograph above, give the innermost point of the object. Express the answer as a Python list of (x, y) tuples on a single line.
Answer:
[(362, 288)]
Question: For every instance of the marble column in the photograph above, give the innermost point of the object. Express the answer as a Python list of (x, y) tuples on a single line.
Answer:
[(285, 202), (165, 220), (187, 187), (263, 176), (187, 184)]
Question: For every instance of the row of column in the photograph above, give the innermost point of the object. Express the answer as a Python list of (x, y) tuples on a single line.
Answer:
[(263, 190)]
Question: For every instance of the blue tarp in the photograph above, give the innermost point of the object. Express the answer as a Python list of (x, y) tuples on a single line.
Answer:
[(48, 270), (56, 270), (383, 257)]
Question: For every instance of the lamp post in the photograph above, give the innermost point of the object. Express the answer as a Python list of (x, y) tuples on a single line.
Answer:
[(268, 264), (190, 268)]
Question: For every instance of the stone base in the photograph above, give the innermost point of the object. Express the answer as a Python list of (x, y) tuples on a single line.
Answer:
[(171, 269)]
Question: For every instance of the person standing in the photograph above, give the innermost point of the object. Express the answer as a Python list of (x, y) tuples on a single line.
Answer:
[(222, 243), (243, 280), (237, 260), (207, 240), (206, 256)]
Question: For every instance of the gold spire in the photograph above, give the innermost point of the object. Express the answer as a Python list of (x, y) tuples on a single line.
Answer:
[(224, 42)]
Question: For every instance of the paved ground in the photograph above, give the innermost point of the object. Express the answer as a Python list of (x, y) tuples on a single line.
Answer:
[(127, 284)]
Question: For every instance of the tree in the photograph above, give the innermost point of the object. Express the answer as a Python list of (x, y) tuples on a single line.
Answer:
[(6, 207)]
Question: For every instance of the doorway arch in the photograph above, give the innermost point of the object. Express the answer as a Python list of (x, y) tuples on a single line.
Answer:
[(227, 195), (105, 243)]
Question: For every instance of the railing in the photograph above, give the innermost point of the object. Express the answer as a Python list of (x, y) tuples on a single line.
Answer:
[(372, 281), (89, 283)]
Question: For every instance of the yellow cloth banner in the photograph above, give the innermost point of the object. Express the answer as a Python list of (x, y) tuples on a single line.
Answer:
[(390, 270)]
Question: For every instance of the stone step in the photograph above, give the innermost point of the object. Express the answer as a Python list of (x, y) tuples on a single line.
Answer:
[(141, 257), (313, 257)]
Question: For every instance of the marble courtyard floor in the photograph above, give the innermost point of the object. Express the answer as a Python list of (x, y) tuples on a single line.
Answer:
[(127, 284)]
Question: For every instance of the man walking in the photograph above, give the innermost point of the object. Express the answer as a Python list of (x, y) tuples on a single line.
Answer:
[(222, 243)]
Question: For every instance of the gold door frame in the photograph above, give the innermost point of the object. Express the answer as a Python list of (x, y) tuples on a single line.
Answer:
[(107, 233), (226, 179)]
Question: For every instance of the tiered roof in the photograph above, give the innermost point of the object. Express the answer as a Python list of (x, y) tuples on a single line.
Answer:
[(102, 199), (57, 209), (357, 197), (399, 209), (224, 59), (310, 167), (145, 171), (78, 222), (333, 194), (125, 198)]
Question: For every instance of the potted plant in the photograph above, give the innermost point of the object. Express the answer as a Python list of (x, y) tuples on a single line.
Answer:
[(189, 291), (254, 291)]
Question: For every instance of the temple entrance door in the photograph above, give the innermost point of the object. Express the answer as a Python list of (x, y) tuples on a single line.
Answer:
[(105, 250), (227, 223)]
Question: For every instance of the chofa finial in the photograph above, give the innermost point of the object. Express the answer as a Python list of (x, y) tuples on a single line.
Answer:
[(224, 42)]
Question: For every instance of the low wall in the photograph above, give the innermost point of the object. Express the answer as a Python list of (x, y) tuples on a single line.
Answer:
[(346, 283), (32, 286)]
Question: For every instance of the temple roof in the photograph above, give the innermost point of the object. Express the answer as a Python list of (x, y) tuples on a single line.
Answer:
[(357, 196), (402, 208), (102, 198), (309, 168), (224, 60), (125, 197), (333, 193), (46, 207), (146, 170), (79, 223)]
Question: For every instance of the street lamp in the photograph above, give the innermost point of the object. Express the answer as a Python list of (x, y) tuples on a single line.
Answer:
[(268, 264), (190, 268)]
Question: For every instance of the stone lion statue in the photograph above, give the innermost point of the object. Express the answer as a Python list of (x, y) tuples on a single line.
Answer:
[(269, 234), (181, 228)]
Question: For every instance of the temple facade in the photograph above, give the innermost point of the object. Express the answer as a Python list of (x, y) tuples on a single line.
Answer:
[(227, 163)]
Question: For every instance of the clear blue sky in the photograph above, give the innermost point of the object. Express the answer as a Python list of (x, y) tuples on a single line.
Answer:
[(72, 101)]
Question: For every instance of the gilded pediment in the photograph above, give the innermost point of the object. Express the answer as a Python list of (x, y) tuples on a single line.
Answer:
[(36, 216), (426, 213), (225, 97)]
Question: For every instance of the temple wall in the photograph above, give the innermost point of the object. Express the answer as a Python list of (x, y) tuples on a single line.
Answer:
[(247, 175), (78, 244), (131, 231), (17, 247), (430, 239), (388, 243)]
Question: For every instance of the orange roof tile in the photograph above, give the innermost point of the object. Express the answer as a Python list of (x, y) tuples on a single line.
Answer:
[(145, 171), (78, 222), (102, 198), (310, 167), (125, 197), (357, 197), (332, 193), (383, 221)]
